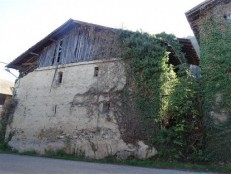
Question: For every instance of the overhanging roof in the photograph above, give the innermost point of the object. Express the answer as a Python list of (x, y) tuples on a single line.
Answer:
[(49, 39), (190, 52)]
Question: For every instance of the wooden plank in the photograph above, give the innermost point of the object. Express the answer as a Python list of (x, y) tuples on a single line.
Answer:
[(29, 63)]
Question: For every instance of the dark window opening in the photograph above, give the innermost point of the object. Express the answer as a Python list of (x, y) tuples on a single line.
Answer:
[(55, 109), (60, 51), (106, 107), (57, 53), (96, 72), (2, 101), (53, 58), (60, 77)]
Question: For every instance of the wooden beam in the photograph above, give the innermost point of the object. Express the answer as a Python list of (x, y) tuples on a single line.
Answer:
[(35, 54), (33, 63)]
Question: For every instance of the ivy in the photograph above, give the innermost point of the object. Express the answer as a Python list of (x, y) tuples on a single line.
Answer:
[(216, 73), (147, 60), (163, 96)]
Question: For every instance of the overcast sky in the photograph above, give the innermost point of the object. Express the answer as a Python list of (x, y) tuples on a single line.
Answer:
[(25, 22)]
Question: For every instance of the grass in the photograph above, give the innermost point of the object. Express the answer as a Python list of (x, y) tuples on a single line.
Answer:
[(160, 164), (4, 148), (132, 162)]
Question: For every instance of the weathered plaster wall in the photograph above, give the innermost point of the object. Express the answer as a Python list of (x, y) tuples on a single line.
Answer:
[(77, 115)]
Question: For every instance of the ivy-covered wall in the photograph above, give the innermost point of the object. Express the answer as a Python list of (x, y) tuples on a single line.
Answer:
[(211, 24), (216, 79), (165, 97)]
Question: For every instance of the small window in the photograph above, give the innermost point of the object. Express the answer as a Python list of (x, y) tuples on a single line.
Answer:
[(55, 109), (106, 107), (60, 77), (53, 58), (96, 72), (57, 53), (2, 101)]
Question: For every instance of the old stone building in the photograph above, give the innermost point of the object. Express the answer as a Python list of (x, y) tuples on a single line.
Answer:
[(69, 94)]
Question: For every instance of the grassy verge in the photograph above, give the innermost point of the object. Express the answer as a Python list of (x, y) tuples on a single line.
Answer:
[(133, 162), (151, 163)]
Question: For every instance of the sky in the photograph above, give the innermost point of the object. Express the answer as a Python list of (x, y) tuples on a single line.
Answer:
[(23, 23)]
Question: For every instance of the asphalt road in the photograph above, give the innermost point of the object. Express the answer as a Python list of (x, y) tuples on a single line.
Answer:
[(16, 164)]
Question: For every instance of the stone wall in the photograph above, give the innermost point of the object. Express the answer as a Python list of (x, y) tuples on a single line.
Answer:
[(221, 12), (73, 108)]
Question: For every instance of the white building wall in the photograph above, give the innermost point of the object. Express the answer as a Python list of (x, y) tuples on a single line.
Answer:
[(77, 115)]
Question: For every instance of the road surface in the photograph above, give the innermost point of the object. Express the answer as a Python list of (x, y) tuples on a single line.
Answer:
[(17, 164)]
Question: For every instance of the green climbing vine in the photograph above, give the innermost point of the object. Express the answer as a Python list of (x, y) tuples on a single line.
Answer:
[(147, 60), (164, 95), (215, 44)]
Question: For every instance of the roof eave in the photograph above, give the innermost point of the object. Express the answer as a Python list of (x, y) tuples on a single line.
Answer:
[(49, 38), (62, 30)]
